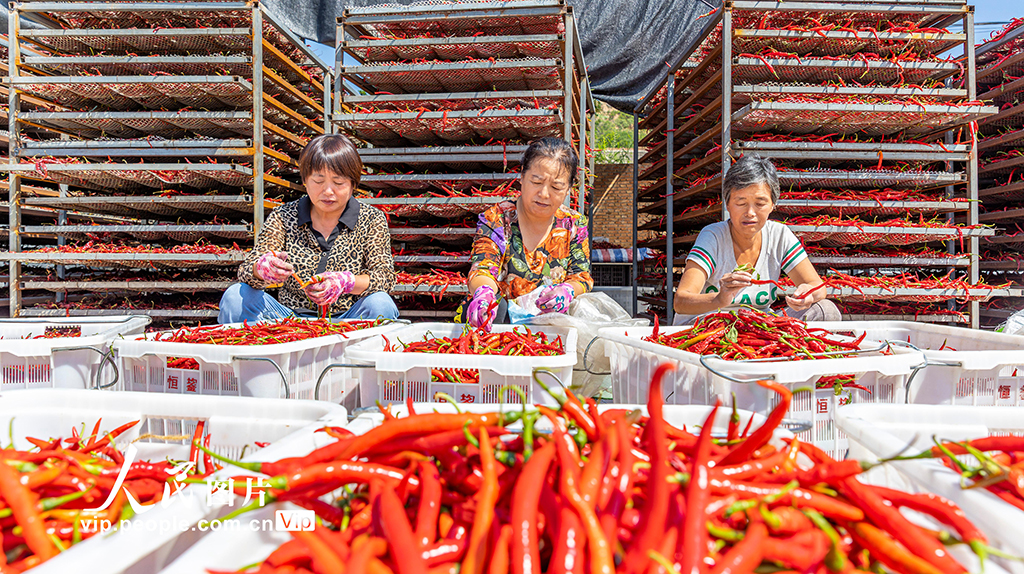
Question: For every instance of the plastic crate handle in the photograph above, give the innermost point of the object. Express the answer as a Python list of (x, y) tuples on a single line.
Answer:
[(323, 373), (280, 371), (587, 352), (105, 357), (927, 363)]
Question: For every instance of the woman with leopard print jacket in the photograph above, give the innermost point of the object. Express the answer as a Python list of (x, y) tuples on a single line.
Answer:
[(339, 248)]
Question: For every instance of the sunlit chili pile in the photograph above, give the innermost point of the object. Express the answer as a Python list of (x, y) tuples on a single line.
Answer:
[(514, 343), (286, 330), (47, 490), (605, 492), (750, 334), (521, 342)]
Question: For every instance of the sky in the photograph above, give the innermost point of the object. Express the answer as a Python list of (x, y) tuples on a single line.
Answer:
[(986, 12), (994, 11)]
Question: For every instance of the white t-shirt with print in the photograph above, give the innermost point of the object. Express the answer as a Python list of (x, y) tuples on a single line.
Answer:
[(781, 251)]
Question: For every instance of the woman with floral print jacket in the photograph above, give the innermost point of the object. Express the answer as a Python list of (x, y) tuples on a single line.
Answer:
[(535, 242)]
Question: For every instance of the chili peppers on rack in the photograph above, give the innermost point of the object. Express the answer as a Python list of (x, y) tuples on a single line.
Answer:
[(750, 334), (286, 330), (453, 493)]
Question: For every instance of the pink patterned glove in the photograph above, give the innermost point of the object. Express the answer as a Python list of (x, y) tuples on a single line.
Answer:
[(555, 299), (324, 289), (273, 267), (481, 310)]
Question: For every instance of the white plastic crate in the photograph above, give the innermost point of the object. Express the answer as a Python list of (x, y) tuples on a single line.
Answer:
[(397, 375), (985, 369), (235, 424), (633, 362), (883, 431), (286, 370), (229, 550), (76, 361)]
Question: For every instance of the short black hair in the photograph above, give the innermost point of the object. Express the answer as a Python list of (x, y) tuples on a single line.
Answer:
[(334, 152), (556, 149), (751, 169)]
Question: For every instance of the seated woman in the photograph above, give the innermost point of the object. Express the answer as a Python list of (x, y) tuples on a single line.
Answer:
[(339, 248), (729, 255), (534, 242)]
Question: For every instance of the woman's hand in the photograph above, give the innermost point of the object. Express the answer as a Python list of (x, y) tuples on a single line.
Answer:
[(324, 289), (273, 267), (555, 299), (731, 284), (798, 303), (481, 310)]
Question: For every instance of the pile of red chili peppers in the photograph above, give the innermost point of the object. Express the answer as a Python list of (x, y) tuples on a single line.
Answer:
[(604, 492), (286, 330), (750, 334), (514, 343), (1000, 459), (47, 490)]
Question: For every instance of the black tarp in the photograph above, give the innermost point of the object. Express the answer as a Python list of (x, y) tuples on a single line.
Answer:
[(626, 43)]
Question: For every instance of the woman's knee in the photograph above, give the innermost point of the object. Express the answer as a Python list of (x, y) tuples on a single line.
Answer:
[(379, 304), (824, 310)]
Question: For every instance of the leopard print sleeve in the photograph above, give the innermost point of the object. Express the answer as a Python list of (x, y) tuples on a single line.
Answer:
[(271, 238), (379, 263)]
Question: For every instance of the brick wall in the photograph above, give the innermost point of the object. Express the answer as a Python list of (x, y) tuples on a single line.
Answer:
[(613, 204)]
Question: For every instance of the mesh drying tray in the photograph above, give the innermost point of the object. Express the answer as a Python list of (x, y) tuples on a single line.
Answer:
[(455, 235), (155, 93), (443, 19), (443, 207), (457, 48), (913, 295), (1001, 167), (170, 125), (460, 126), (476, 75), (113, 176), (459, 158), (868, 179), (819, 71), (839, 42), (1012, 242), (182, 15), (871, 119), (1003, 193), (179, 233), (139, 36), (131, 260), (439, 181), (847, 14), (868, 208), (147, 207), (1010, 117), (840, 236), (142, 286)]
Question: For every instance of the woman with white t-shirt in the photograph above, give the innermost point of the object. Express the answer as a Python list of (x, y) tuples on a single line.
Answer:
[(717, 273)]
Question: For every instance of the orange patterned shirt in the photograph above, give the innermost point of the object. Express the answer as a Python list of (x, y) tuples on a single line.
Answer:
[(498, 251)]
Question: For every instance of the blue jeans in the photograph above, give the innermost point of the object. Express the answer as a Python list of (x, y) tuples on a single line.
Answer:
[(243, 303)]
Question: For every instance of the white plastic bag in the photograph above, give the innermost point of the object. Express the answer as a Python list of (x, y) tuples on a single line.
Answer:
[(1014, 325), (588, 314)]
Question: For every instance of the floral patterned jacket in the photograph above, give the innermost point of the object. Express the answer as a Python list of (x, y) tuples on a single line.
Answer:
[(498, 251)]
